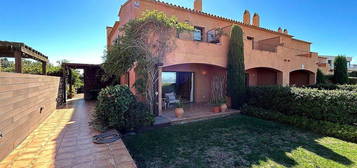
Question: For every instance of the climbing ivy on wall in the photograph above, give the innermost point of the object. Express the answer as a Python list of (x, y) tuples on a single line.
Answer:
[(142, 46)]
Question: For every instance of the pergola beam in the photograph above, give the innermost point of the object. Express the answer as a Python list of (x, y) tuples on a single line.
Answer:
[(33, 54), (19, 51), (18, 61)]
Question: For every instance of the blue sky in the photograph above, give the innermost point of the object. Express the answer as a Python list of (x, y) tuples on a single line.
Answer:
[(75, 29)]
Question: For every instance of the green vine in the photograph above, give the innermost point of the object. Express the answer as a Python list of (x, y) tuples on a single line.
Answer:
[(143, 45)]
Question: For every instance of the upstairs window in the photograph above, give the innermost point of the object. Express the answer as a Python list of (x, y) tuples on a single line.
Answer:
[(251, 39), (330, 62), (198, 34)]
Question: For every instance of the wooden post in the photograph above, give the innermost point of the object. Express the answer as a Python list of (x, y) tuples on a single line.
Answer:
[(18, 61), (44, 68), (64, 73), (160, 90), (70, 80)]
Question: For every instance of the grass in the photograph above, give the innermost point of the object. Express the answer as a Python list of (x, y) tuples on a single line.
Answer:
[(238, 141)]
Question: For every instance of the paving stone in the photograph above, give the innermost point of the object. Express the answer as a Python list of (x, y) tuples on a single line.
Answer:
[(65, 140)]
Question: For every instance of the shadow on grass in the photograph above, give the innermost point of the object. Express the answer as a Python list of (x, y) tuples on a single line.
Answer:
[(237, 141)]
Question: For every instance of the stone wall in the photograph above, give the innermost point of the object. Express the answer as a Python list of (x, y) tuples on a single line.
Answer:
[(25, 101)]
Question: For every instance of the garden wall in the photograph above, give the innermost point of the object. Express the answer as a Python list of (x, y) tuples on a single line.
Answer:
[(25, 101)]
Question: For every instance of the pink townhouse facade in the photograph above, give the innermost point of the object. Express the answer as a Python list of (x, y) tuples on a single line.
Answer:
[(271, 57)]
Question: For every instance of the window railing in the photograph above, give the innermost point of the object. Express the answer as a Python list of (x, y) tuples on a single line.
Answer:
[(264, 47), (209, 37)]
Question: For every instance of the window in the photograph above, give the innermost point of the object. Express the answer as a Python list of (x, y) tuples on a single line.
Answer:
[(252, 39), (198, 34), (137, 4), (329, 62), (212, 37)]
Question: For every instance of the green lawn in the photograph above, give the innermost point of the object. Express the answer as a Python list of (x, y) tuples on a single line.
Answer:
[(238, 141)]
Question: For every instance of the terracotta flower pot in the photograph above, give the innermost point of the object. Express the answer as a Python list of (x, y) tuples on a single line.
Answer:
[(179, 112), (224, 107), (216, 109)]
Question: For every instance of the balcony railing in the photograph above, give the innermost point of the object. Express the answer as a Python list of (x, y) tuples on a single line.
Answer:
[(264, 47), (212, 36)]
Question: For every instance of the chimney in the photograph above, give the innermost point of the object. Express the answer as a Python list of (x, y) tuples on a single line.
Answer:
[(280, 30), (286, 31), (246, 17), (256, 20), (198, 5)]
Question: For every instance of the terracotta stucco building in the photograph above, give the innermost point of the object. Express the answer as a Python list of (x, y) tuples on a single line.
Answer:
[(271, 57)]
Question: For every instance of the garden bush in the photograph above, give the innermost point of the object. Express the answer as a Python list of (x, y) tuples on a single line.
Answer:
[(346, 132), (329, 86), (320, 77), (340, 70), (324, 86), (352, 80), (117, 108), (338, 106), (139, 116)]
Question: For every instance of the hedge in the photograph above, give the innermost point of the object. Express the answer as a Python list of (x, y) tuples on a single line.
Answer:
[(352, 80), (345, 132), (338, 106), (329, 86)]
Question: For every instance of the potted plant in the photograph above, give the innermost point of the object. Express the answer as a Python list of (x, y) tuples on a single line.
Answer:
[(216, 106), (179, 109), (223, 105)]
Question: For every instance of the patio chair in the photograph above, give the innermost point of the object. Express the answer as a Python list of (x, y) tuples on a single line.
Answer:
[(171, 98)]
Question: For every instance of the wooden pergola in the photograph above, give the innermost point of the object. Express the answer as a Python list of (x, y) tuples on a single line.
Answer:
[(92, 82), (20, 50)]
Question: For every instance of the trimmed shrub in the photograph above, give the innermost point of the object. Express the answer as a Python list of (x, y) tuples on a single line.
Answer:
[(348, 87), (117, 108), (339, 106), (320, 77), (329, 86), (352, 74), (340, 71), (138, 117), (352, 80), (329, 78), (324, 86), (236, 88), (346, 132)]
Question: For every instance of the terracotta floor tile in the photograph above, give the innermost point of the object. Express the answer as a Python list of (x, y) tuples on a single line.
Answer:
[(65, 140), (63, 163), (129, 164), (43, 165), (5, 165), (22, 163)]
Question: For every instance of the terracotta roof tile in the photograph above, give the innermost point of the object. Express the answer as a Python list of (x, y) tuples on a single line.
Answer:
[(219, 17)]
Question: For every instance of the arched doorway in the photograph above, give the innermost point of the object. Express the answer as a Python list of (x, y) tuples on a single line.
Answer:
[(262, 76), (301, 78)]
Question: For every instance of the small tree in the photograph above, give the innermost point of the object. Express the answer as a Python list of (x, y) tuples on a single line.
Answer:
[(340, 70), (236, 88), (320, 77), (143, 46)]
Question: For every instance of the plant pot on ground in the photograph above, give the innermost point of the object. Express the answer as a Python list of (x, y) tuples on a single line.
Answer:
[(223, 105), (216, 107), (179, 109)]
